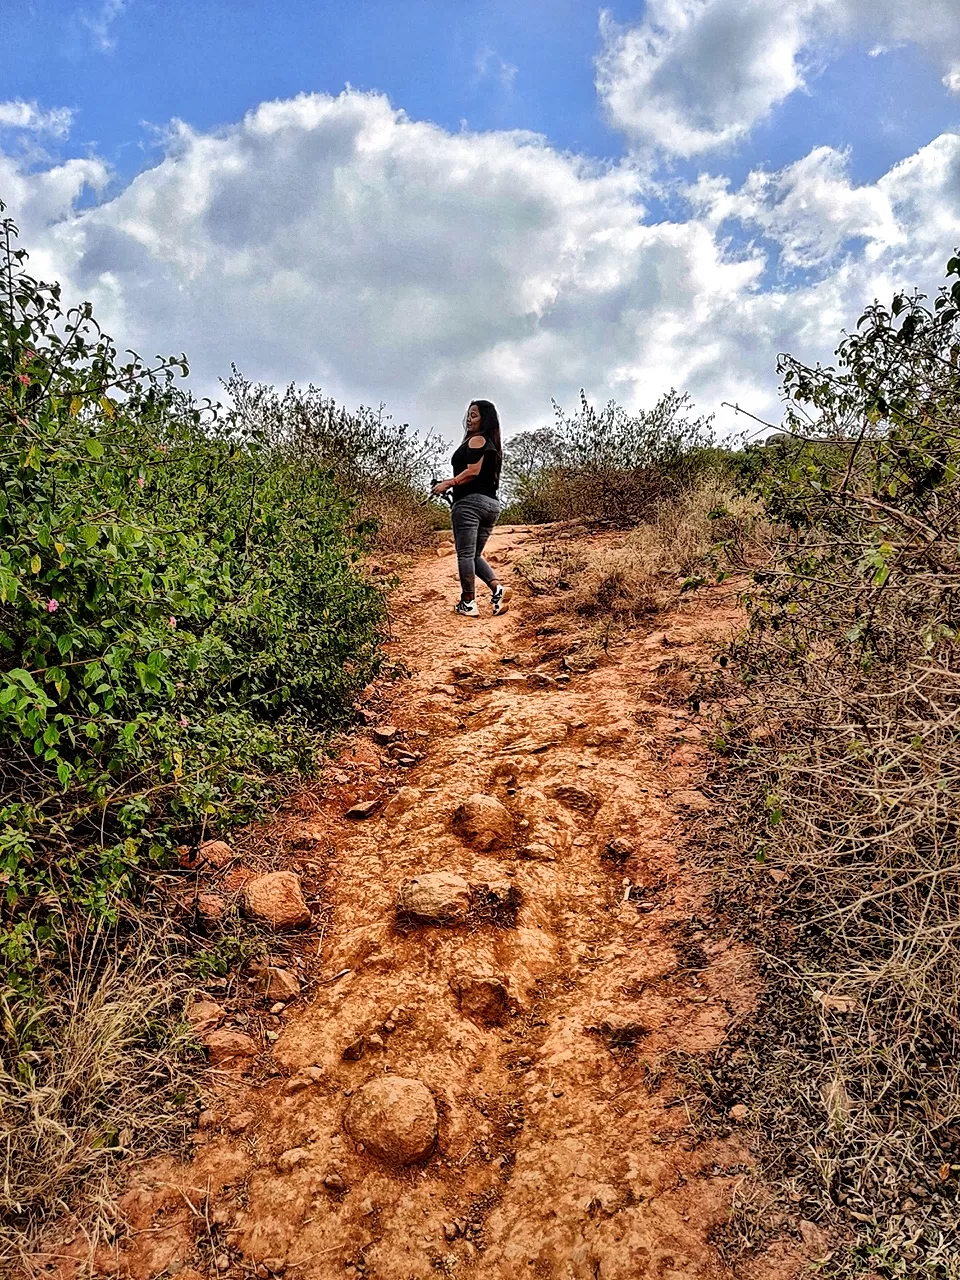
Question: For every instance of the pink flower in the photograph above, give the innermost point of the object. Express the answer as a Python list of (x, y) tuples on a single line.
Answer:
[(28, 356), (140, 481), (24, 378), (53, 606), (173, 623), (184, 722)]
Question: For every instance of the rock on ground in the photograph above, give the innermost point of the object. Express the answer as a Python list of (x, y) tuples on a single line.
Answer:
[(204, 1015), (482, 997), (278, 984), (574, 797), (217, 852), (403, 801), (277, 899), (483, 822), (228, 1046), (436, 895), (394, 1118)]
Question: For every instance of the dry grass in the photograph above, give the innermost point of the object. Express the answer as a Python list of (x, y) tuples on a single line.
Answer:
[(681, 533), (100, 1072), (839, 860), (600, 586)]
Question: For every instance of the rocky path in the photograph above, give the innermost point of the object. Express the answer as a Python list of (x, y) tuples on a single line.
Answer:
[(475, 1079)]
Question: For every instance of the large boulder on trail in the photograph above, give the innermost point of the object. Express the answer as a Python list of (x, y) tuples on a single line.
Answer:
[(483, 822), (394, 1118), (438, 896)]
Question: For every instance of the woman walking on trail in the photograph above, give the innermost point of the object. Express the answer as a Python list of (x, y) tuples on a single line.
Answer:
[(476, 480)]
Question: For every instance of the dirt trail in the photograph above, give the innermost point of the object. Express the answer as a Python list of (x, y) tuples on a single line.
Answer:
[(558, 1156)]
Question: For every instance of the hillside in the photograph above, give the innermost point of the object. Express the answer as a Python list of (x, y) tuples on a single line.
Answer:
[(549, 1016)]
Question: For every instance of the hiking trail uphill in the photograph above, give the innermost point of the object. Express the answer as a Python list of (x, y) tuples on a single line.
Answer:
[(540, 1016)]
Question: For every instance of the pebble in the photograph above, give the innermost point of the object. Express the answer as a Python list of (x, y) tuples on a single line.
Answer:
[(438, 896), (394, 1118), (277, 899), (483, 822), (364, 809)]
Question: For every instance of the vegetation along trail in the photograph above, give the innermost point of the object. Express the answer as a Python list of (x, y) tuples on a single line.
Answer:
[(513, 928)]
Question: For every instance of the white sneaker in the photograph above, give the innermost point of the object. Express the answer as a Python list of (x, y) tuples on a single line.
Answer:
[(499, 599), (471, 610)]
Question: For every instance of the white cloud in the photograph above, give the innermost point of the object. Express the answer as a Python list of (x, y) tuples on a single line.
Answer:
[(697, 75), (337, 240), (99, 23), (28, 117), (489, 64)]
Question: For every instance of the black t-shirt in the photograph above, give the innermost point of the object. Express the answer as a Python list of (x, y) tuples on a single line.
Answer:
[(488, 481)]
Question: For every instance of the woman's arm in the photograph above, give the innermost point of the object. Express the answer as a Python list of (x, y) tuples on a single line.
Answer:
[(470, 471)]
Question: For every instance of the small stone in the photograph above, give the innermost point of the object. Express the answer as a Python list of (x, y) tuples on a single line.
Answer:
[(210, 905), (278, 1007), (483, 822), (482, 997), (334, 1182), (223, 1262), (229, 1046), (450, 1230), (364, 809), (217, 852), (275, 1266), (204, 1015), (434, 896), (277, 899), (354, 1051), (287, 1161), (241, 1121), (384, 733), (574, 797), (538, 853), (695, 801), (303, 1080), (540, 680), (278, 984), (206, 1119), (406, 759), (813, 1237), (393, 1118), (739, 1112), (376, 1041), (401, 803), (619, 850)]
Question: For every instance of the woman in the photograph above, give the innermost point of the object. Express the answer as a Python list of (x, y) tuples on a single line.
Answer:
[(476, 479)]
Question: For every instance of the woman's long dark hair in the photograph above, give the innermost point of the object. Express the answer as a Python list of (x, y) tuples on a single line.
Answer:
[(490, 428)]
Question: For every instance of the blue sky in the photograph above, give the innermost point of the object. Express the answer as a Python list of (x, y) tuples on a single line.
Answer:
[(716, 180)]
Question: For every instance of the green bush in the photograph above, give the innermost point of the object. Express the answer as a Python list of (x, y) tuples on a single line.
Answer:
[(606, 465), (182, 611), (844, 753), (383, 467)]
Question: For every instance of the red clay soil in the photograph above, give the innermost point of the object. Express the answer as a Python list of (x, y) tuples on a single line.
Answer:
[(541, 1024)]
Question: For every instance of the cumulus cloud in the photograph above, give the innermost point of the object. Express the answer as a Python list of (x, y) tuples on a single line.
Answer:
[(29, 118), (337, 240), (697, 75)]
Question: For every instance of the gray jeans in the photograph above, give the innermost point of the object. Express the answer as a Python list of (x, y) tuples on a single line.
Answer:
[(473, 519)]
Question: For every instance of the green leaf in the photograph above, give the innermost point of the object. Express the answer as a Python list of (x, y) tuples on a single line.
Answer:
[(93, 447)]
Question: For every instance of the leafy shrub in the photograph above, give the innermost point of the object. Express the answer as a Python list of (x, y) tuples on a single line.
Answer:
[(381, 466), (181, 610), (846, 761), (605, 465)]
